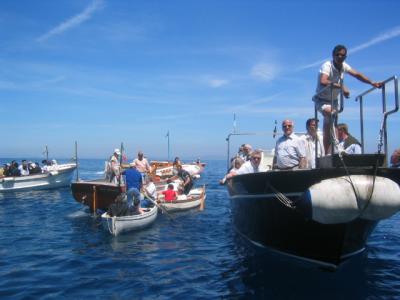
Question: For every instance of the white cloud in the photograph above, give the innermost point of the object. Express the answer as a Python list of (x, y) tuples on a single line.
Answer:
[(215, 83), (390, 34), (265, 71), (74, 21)]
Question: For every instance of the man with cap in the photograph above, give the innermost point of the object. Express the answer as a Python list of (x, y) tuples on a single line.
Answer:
[(113, 167)]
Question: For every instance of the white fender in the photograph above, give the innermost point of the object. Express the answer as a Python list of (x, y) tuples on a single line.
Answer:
[(334, 201)]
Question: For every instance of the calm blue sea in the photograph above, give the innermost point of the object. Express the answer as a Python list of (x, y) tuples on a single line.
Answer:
[(51, 248)]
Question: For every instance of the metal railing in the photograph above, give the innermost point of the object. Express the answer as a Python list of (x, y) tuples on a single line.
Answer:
[(383, 140)]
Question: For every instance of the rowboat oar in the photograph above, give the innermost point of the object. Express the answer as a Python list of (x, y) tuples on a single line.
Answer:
[(202, 196), (156, 204)]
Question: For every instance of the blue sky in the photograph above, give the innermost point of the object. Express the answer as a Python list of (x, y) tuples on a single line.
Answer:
[(103, 72)]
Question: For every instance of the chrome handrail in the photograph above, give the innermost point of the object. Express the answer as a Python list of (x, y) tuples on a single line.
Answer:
[(383, 131)]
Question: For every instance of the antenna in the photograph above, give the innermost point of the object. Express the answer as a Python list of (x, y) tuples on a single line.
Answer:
[(274, 134), (234, 123)]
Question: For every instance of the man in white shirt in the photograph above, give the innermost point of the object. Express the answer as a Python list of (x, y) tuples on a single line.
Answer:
[(23, 168), (251, 166), (310, 139), (330, 82), (289, 150)]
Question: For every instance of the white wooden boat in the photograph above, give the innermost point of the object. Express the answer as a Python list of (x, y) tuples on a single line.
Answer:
[(118, 225), (192, 169), (196, 198), (59, 176)]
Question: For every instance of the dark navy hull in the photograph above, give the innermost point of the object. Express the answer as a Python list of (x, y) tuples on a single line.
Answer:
[(266, 221)]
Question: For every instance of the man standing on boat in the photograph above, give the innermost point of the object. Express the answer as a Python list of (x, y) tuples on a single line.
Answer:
[(185, 177), (142, 164), (113, 167), (347, 143), (330, 82), (133, 180), (310, 139), (290, 152)]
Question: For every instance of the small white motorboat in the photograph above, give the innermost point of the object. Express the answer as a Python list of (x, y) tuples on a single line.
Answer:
[(196, 198), (58, 176), (117, 225)]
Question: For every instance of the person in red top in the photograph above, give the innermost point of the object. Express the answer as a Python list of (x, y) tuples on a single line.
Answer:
[(169, 194)]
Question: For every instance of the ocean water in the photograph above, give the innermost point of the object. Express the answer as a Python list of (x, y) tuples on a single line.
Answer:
[(52, 248)]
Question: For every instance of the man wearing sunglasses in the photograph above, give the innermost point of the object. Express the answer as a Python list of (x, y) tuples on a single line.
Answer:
[(290, 153), (330, 82)]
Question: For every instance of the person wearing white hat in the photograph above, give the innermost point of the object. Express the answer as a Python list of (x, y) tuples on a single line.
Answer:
[(113, 167)]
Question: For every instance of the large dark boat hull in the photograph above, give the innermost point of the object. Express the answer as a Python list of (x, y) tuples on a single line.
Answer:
[(96, 194), (266, 221)]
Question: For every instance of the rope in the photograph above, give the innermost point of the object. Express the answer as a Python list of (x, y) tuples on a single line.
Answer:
[(353, 186), (281, 197), (108, 225)]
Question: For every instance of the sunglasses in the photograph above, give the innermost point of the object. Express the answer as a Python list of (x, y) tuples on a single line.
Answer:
[(287, 126)]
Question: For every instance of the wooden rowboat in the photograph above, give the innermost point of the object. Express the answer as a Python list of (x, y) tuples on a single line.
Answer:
[(196, 198), (118, 225)]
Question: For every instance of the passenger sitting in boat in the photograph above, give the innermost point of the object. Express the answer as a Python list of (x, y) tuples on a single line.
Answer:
[(133, 185), (6, 169), (150, 189), (395, 159), (245, 151), (34, 168), (2, 171), (309, 139), (290, 152), (170, 194), (14, 169), (23, 168), (46, 166), (252, 166), (347, 143), (237, 163), (174, 183)]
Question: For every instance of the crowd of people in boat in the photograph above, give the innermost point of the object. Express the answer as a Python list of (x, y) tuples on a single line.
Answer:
[(25, 168), (298, 152), (139, 179)]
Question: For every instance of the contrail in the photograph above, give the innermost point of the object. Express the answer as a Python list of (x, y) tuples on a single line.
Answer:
[(390, 34), (74, 21)]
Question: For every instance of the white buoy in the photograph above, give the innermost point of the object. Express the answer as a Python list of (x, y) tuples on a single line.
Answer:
[(334, 200)]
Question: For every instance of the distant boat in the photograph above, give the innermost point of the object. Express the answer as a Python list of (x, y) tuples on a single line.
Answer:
[(324, 215), (59, 176), (195, 198), (117, 225)]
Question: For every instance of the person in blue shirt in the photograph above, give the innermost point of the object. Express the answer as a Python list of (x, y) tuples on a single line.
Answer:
[(134, 181)]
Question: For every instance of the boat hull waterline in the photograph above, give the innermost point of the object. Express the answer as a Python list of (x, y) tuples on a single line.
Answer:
[(54, 179), (96, 194), (118, 225), (311, 230)]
